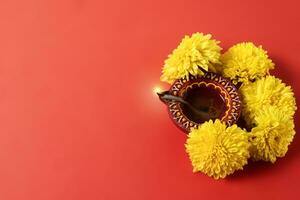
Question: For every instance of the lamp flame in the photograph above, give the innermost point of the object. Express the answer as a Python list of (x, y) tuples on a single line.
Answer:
[(157, 89)]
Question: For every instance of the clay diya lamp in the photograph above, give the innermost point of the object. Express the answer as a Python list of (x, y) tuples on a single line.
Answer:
[(199, 99)]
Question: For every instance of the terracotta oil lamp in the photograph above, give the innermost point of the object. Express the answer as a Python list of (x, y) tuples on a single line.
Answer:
[(199, 99)]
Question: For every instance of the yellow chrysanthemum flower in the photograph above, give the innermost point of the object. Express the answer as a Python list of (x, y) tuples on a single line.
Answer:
[(273, 134), (245, 61), (268, 91), (216, 150), (193, 52)]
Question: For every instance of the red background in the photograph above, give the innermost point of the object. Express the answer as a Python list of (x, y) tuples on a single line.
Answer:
[(78, 119)]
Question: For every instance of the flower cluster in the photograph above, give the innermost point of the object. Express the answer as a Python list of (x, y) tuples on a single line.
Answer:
[(217, 150), (272, 135), (193, 53), (265, 92), (245, 62), (268, 106)]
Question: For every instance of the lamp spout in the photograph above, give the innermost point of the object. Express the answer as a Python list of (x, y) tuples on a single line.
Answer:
[(163, 96)]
